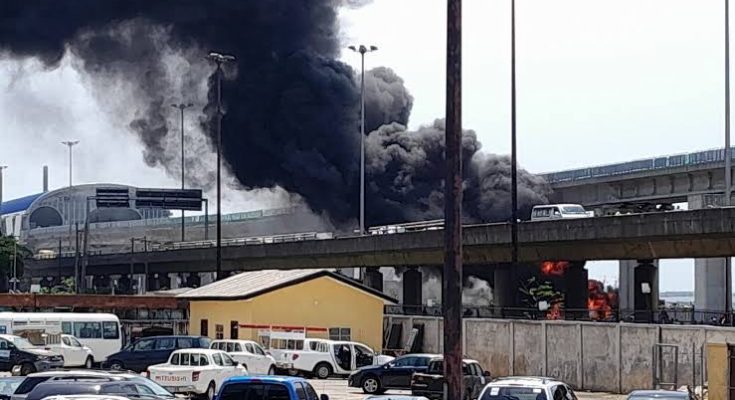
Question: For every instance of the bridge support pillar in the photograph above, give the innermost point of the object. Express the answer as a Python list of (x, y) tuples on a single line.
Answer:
[(505, 291), (374, 278), (576, 293), (638, 293), (711, 285), (711, 275)]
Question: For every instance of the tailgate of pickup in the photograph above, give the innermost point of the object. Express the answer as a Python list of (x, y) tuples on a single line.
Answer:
[(172, 378)]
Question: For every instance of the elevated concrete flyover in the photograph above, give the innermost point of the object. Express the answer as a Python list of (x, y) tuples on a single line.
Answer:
[(677, 234)]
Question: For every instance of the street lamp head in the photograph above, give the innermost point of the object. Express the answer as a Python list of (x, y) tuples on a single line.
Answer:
[(182, 106), (373, 48), (353, 48), (70, 142), (362, 49), (219, 57)]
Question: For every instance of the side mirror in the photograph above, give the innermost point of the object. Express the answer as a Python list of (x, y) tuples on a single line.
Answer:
[(486, 374), (324, 397)]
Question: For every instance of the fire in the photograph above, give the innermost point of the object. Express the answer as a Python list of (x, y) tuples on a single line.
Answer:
[(557, 268), (601, 302), (554, 312)]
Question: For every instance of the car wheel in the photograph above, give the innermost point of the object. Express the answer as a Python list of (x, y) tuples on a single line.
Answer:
[(323, 370), (27, 368), (117, 365), (271, 370), (89, 363), (371, 385), (210, 391)]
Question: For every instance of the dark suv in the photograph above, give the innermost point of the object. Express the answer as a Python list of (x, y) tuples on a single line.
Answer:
[(144, 352)]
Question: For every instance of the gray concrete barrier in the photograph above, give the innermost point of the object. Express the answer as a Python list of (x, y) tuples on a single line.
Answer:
[(610, 357)]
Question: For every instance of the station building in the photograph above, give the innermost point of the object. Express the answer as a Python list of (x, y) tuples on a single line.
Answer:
[(323, 303)]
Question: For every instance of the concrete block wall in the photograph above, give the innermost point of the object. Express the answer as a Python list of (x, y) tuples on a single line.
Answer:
[(592, 356)]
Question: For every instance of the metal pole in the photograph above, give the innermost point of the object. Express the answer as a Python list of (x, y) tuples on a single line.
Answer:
[(362, 141), (83, 273), (15, 265), (218, 273), (219, 59), (206, 219), (76, 255), (452, 280), (728, 153), (513, 151), (182, 170), (2, 167)]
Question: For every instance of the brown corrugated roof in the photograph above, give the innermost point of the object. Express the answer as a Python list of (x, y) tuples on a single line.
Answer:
[(254, 283)]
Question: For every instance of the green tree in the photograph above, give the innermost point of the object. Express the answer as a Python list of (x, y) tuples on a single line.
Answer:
[(10, 249)]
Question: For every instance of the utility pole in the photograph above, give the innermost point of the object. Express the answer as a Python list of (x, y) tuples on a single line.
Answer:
[(728, 154), (219, 59), (452, 280), (181, 107), (70, 144), (514, 150)]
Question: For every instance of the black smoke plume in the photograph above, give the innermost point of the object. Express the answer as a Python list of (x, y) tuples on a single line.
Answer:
[(292, 109)]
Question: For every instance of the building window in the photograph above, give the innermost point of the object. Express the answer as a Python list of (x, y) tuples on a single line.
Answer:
[(219, 331), (204, 328), (233, 329), (340, 334)]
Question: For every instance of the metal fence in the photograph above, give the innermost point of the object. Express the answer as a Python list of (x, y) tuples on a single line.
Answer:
[(671, 316)]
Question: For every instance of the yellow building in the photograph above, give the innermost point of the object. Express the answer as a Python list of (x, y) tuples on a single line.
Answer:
[(330, 305)]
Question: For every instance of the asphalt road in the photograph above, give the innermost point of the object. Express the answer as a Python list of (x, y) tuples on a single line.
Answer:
[(337, 390)]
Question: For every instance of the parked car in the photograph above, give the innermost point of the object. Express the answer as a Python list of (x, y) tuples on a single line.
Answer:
[(16, 351), (282, 354), (249, 354), (431, 383), (659, 395), (334, 358), (522, 387), (8, 385), (395, 374), (195, 371), (120, 388), (144, 352), (395, 397), (87, 397), (31, 381), (268, 387), (75, 354)]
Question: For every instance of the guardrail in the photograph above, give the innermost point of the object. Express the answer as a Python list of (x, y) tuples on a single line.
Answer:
[(669, 315), (649, 164)]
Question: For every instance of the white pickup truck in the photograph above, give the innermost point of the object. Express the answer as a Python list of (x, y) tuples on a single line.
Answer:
[(75, 354), (195, 372), (327, 358), (248, 353)]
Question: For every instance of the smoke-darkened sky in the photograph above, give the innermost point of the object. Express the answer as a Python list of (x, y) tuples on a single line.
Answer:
[(598, 82)]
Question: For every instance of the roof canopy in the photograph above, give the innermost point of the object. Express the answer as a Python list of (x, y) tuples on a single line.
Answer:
[(255, 283)]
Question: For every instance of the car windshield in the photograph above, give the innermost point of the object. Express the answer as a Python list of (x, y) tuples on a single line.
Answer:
[(513, 392), (573, 210), (8, 385), (22, 343), (154, 387)]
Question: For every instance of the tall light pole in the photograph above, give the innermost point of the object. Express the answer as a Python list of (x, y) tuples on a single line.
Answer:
[(181, 107), (219, 59), (362, 49), (70, 144)]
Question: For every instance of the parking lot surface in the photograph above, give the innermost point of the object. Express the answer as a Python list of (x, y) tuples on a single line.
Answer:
[(337, 390)]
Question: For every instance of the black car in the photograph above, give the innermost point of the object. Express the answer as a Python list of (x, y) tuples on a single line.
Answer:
[(16, 351), (88, 376), (393, 375), (144, 352), (121, 388)]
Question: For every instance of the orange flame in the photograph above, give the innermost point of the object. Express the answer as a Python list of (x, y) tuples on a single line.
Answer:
[(554, 312), (600, 302), (557, 268)]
